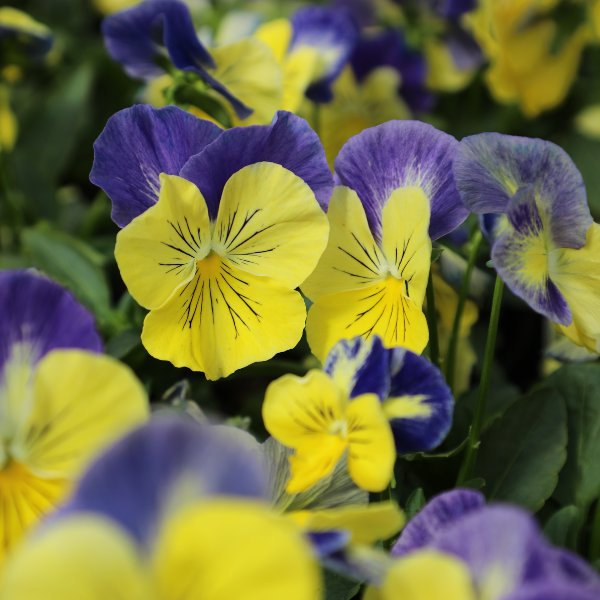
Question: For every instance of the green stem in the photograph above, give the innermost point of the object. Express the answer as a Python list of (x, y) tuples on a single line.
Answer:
[(595, 541), (434, 344), (466, 470), (462, 299)]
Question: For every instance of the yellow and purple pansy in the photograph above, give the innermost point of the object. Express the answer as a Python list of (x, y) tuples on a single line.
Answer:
[(244, 73), (395, 194), (457, 548), (172, 511), (367, 404), (219, 230), (61, 400), (547, 248), (30, 35)]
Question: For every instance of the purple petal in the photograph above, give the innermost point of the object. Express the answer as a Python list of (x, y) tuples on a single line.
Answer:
[(515, 257), (288, 141), (492, 225), (439, 514), (333, 32), (326, 543), (390, 49), (564, 566), (414, 376), (135, 480), (550, 591), (39, 312), (499, 541), (396, 154), (134, 37), (489, 168), (136, 146), (465, 52), (366, 363)]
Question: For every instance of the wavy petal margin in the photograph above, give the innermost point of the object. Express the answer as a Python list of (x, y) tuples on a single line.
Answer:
[(490, 167), (398, 154), (288, 141), (136, 146)]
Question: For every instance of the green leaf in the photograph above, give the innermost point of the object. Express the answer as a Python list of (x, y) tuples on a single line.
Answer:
[(123, 343), (579, 481), (71, 263), (436, 253), (522, 453), (476, 483), (338, 587), (416, 501), (563, 526)]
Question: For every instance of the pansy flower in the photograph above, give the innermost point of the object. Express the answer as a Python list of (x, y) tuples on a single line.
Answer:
[(243, 74), (61, 401), (367, 404), (396, 193), (458, 548), (172, 511), (219, 229), (312, 48), (547, 250)]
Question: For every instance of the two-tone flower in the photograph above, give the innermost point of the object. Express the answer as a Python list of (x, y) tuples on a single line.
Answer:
[(458, 548), (546, 247), (219, 228), (396, 194), (367, 404), (312, 47), (173, 511), (61, 401), (243, 75)]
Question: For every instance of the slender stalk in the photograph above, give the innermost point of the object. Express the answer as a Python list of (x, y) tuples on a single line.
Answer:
[(466, 470), (434, 344), (462, 299), (595, 541)]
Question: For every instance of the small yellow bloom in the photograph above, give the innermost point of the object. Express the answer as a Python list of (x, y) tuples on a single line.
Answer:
[(314, 416), (8, 122)]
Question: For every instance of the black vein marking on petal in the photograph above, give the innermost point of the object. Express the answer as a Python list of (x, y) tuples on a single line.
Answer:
[(179, 232), (357, 260), (367, 333), (249, 237), (232, 312), (366, 280), (196, 242), (367, 311), (243, 298), (408, 261), (212, 308), (247, 220), (198, 302), (375, 264), (406, 243), (225, 270), (174, 266), (178, 250)]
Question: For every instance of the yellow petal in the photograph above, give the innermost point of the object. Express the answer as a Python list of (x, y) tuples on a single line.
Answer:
[(223, 320), (277, 34), (446, 303), (428, 575), (270, 223), (79, 558), (9, 126), (382, 309), (298, 72), (316, 458), (228, 549), (24, 499), (367, 524), (352, 259), (157, 251), (576, 273), (249, 70), (372, 451), (81, 403), (405, 239), (297, 408), (443, 74), (406, 407)]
